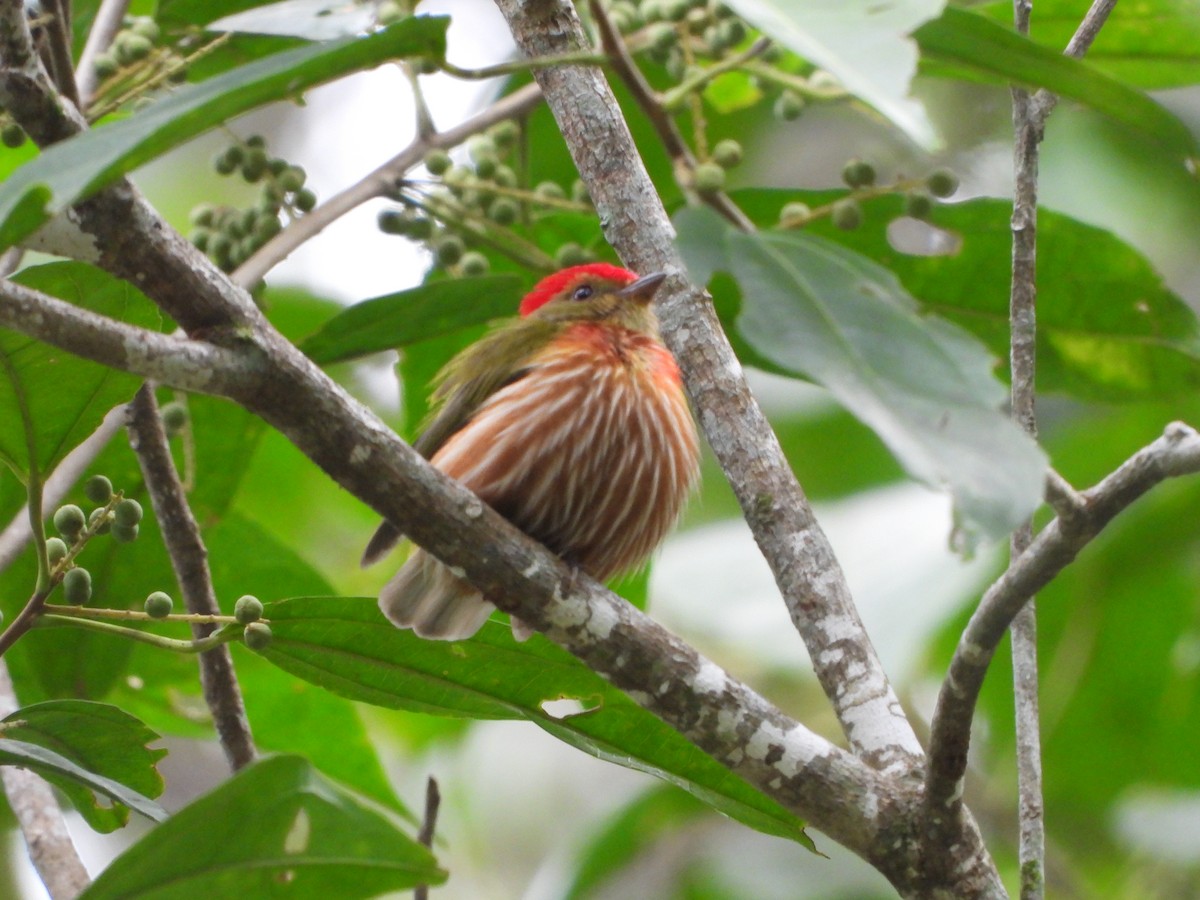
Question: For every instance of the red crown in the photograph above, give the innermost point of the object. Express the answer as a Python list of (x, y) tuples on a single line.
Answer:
[(553, 284)]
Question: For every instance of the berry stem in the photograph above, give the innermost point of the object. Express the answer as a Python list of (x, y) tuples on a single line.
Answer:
[(225, 635), (137, 615)]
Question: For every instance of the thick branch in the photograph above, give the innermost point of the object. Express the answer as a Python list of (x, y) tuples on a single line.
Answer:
[(800, 555), (1176, 453), (182, 363), (40, 818), (189, 559)]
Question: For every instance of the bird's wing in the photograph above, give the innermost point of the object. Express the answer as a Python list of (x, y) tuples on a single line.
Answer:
[(497, 360)]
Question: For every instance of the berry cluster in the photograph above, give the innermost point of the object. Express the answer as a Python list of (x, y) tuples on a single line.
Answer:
[(229, 235), (137, 61), (115, 514), (860, 176), (475, 200)]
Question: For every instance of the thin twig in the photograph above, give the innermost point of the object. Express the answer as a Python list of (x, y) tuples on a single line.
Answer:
[(1080, 43), (104, 28), (1175, 454), (58, 48), (433, 800), (41, 820), (670, 136), (189, 558)]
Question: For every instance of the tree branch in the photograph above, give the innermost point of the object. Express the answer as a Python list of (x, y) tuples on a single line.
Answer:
[(1027, 133), (800, 556), (1174, 454), (189, 559), (186, 364), (40, 818)]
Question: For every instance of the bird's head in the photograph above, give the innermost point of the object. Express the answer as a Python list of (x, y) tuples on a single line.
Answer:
[(595, 292)]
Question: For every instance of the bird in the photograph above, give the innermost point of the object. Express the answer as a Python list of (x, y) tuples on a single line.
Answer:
[(571, 421)]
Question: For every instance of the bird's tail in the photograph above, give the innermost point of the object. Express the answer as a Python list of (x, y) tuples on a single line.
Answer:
[(426, 597)]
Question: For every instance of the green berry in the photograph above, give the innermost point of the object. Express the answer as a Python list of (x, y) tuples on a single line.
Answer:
[(486, 165), (292, 179), (505, 133), (420, 228), (158, 605), (550, 190), (128, 512), (503, 211), (124, 534), (392, 221), (847, 214), (438, 162), (254, 166), (858, 173), (481, 145), (98, 489), (942, 183), (277, 166), (474, 263), (676, 10), (256, 140), (69, 521), (174, 417), (266, 226), (105, 66), (727, 153), (200, 238), (77, 586), (794, 211), (131, 47), (676, 65), (12, 135), (788, 106), (223, 163), (257, 635), (662, 36), (147, 28), (570, 254), (918, 205), (305, 200), (202, 215), (247, 609), (449, 249), (55, 549), (99, 521), (731, 32), (709, 178)]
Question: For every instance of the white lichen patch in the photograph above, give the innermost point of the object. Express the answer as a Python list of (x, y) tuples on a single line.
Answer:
[(710, 679), (788, 751), (567, 613), (473, 508), (602, 621), (360, 454), (457, 571), (975, 654), (729, 719)]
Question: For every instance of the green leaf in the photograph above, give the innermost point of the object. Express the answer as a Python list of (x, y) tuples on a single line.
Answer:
[(77, 168), (98, 738), (348, 647), (633, 831), (925, 386), (974, 44), (276, 829), (57, 768), (428, 311), (1108, 327), (1151, 44), (64, 397), (865, 44)]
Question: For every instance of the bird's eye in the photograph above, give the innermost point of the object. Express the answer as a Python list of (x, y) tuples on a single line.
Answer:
[(582, 292)]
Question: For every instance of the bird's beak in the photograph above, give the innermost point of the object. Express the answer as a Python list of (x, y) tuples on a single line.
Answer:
[(643, 289)]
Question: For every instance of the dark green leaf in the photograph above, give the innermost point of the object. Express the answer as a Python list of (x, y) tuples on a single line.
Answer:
[(972, 43), (99, 738), (397, 320), (63, 396), (77, 168), (925, 386), (276, 829), (346, 646), (57, 767), (1108, 328), (1151, 44)]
